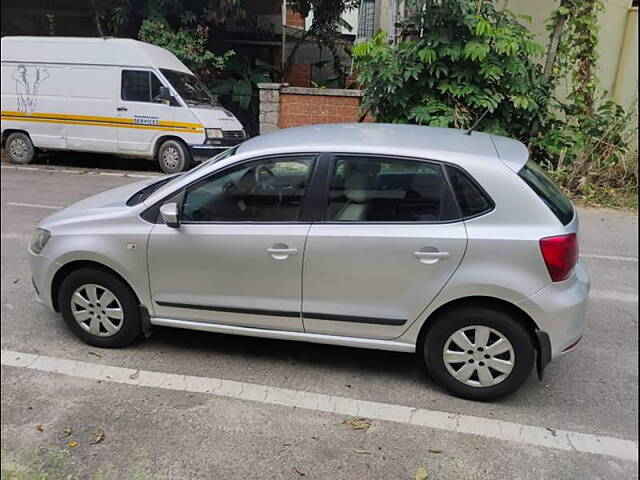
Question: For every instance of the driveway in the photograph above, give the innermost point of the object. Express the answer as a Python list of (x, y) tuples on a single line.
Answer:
[(185, 404)]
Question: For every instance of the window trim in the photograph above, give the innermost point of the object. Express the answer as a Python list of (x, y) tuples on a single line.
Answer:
[(327, 192), (476, 184), (149, 72), (179, 195)]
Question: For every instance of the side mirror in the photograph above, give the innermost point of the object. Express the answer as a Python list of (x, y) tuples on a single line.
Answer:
[(170, 214), (165, 94)]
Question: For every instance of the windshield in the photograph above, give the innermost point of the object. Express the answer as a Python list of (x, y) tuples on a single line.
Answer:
[(192, 90), (193, 172)]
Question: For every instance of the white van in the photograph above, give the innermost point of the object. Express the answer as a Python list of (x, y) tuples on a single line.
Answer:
[(117, 96)]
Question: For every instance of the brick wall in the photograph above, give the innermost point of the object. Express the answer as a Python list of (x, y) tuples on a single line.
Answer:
[(284, 106), (309, 109)]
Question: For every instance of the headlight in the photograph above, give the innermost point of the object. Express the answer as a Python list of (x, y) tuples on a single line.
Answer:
[(213, 133), (39, 240)]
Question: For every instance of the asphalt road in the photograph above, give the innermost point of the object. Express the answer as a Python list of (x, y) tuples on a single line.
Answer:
[(160, 432)]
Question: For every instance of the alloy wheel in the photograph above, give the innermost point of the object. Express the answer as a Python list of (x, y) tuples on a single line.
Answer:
[(97, 310)]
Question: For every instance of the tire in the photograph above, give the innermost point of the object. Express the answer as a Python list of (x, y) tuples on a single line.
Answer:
[(125, 330), (493, 324), (173, 157), (19, 148)]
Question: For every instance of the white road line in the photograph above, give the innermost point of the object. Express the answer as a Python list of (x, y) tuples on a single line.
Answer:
[(34, 205), (615, 258), (11, 236), (452, 422), (85, 171), (615, 296)]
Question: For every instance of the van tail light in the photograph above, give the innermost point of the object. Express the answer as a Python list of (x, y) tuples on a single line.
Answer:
[(560, 254)]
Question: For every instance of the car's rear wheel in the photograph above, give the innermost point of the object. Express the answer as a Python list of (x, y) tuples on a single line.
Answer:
[(99, 308), (479, 353), (20, 148), (173, 157)]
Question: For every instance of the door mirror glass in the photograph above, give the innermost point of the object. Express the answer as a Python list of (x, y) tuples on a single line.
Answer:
[(170, 214), (165, 94)]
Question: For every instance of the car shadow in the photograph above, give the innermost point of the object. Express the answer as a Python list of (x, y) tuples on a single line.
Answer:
[(95, 160), (318, 356)]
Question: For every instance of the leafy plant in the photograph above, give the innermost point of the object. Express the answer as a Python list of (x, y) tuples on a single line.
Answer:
[(188, 43), (456, 60)]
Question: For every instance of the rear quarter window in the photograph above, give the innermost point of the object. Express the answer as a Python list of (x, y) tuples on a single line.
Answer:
[(538, 180), (472, 200)]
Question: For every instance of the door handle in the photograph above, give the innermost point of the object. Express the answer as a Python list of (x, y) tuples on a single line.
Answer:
[(430, 255), (280, 251), (121, 109)]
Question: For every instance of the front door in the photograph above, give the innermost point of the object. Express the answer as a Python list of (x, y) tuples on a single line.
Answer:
[(141, 113), (237, 256), (389, 241)]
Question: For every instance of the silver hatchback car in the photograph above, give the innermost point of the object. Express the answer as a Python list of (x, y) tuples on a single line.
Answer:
[(390, 237)]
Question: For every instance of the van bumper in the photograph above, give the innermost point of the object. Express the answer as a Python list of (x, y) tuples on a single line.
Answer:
[(204, 152)]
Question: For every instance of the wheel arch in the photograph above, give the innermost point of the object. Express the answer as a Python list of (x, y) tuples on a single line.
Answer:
[(163, 138), (9, 131), (66, 269), (516, 312)]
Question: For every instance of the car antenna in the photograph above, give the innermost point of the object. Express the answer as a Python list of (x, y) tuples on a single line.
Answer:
[(475, 124)]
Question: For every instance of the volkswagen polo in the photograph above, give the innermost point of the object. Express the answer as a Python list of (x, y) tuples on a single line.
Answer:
[(450, 244)]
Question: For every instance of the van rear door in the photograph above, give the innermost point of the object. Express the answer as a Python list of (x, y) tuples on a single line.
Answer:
[(143, 115)]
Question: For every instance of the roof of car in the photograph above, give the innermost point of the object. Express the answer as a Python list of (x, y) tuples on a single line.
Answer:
[(406, 140)]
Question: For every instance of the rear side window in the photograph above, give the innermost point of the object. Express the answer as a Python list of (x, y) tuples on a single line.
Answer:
[(139, 86), (471, 199), (377, 189), (549, 193)]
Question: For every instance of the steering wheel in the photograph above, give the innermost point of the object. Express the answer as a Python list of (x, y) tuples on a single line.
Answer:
[(265, 178)]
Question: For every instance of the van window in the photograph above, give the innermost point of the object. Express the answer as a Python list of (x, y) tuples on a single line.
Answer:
[(192, 90), (139, 86)]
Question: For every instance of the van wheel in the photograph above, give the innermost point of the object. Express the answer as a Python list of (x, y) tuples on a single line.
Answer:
[(173, 157), (20, 148), (479, 353), (99, 308)]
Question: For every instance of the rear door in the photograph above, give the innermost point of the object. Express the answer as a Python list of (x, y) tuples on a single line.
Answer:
[(389, 240), (141, 113)]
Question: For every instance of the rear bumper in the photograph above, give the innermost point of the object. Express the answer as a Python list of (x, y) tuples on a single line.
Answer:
[(560, 310)]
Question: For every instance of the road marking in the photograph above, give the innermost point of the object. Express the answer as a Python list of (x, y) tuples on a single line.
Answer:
[(13, 236), (452, 422), (83, 171), (34, 205), (616, 296), (615, 258)]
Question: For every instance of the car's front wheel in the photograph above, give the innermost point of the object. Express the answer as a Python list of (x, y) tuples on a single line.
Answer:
[(99, 308), (479, 353)]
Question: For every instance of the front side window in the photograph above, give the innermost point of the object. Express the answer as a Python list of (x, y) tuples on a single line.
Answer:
[(192, 90), (267, 190), (140, 86), (377, 189)]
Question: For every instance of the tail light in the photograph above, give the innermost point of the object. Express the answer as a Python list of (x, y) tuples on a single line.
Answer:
[(560, 254)]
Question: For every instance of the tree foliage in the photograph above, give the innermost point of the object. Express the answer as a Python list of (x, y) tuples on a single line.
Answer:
[(456, 60)]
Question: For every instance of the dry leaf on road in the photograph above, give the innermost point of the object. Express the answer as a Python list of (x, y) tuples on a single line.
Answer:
[(72, 444), (436, 450), (299, 472), (67, 431), (99, 436), (421, 474), (358, 423), (361, 451), (39, 427)]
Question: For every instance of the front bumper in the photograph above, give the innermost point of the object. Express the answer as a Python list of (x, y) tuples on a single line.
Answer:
[(205, 151), (42, 272), (560, 310), (213, 146)]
